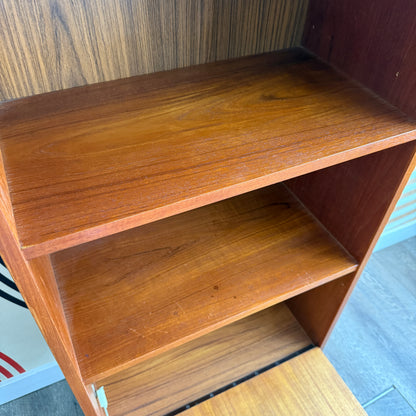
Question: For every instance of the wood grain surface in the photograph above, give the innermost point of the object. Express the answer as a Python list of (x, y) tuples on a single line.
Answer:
[(303, 386), (371, 41), (187, 373), (135, 294), (354, 201), (92, 161), (36, 282), (6, 208), (318, 309), (86, 163), (353, 189), (50, 45)]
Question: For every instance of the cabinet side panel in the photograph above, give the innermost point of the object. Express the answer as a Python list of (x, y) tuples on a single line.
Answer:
[(5, 202), (44, 284), (315, 310), (36, 282), (354, 200), (50, 45), (373, 41)]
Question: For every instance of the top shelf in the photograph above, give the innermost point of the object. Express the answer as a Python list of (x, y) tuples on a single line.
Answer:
[(92, 161)]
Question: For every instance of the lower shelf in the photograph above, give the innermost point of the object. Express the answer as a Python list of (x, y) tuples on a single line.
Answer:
[(303, 386), (193, 370), (137, 294)]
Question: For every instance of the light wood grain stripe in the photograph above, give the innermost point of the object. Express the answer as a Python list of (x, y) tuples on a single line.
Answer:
[(304, 386), (50, 45)]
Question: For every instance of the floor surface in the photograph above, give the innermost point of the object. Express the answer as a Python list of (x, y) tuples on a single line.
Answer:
[(373, 346), (55, 400)]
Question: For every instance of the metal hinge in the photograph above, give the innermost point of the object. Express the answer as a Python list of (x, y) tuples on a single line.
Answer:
[(102, 399)]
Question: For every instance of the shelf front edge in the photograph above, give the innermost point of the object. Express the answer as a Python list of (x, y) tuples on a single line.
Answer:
[(103, 230), (88, 162)]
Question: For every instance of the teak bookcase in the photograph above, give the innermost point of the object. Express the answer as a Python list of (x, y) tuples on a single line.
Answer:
[(178, 231)]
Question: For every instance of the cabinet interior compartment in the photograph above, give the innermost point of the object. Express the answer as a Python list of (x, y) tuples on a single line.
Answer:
[(175, 230), (304, 385), (191, 372), (136, 294)]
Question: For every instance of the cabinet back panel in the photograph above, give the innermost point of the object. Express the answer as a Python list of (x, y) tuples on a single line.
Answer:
[(51, 45)]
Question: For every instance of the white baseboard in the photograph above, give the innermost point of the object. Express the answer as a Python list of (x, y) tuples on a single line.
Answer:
[(29, 382)]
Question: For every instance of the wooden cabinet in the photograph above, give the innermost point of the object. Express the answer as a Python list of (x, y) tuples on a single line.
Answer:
[(176, 232)]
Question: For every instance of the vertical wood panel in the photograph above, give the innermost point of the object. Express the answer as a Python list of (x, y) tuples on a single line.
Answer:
[(315, 310), (5, 203), (49, 45), (354, 201), (353, 198), (373, 41), (37, 284)]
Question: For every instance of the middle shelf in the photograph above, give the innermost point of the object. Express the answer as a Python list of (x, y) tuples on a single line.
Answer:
[(136, 294)]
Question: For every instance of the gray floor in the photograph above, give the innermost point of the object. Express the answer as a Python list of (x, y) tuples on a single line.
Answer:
[(390, 403), (373, 346), (55, 400)]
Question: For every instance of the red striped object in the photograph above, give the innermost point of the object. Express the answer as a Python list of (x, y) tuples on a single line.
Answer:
[(11, 362), (5, 372)]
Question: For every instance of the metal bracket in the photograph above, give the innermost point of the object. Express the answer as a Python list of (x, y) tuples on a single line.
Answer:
[(102, 399)]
